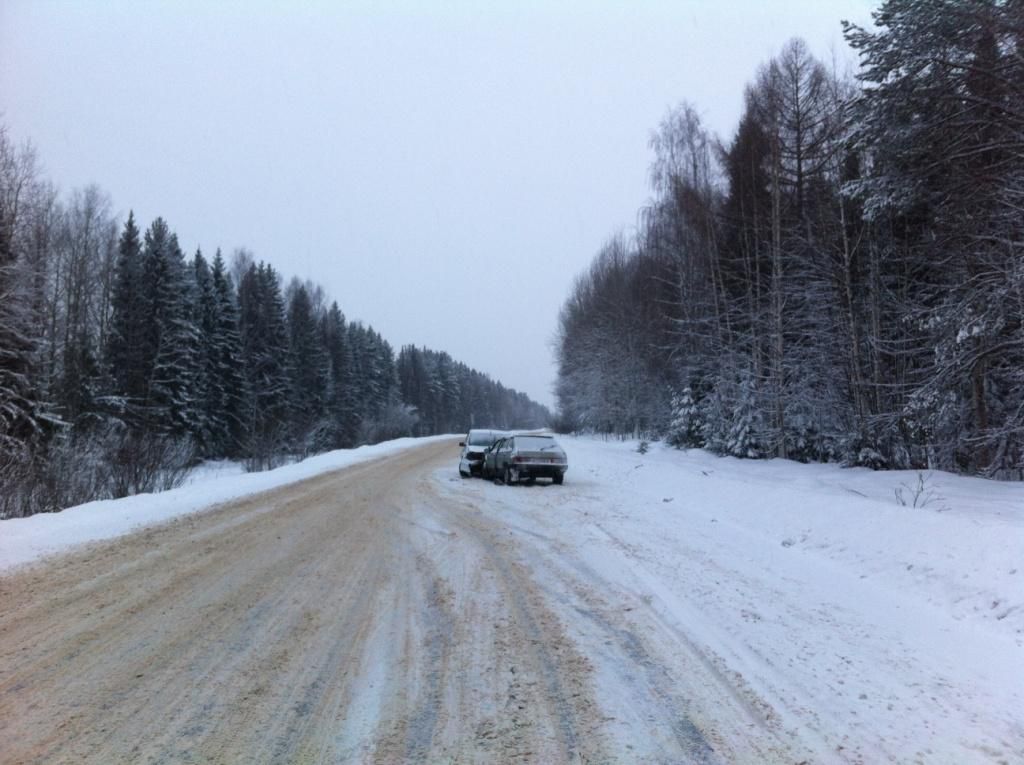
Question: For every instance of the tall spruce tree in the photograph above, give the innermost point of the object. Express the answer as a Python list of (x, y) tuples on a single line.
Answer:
[(308, 372), (124, 354), (339, 402), (209, 421), (228, 388), (264, 342), (169, 340)]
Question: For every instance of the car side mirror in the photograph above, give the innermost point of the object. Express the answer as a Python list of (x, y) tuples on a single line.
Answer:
[(462, 443)]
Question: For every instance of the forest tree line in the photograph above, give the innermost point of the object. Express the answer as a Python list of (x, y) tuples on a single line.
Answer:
[(123, 361), (842, 279)]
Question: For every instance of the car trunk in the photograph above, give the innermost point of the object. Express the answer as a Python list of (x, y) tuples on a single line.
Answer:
[(546, 457)]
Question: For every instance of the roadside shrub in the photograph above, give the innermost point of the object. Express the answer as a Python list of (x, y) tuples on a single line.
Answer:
[(565, 422), (107, 462), (686, 428), (395, 421), (143, 463), (265, 446)]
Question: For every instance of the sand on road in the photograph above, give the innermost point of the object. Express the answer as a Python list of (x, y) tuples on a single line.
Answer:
[(354, 617)]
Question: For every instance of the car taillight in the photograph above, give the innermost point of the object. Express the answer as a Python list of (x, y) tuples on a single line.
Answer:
[(520, 459)]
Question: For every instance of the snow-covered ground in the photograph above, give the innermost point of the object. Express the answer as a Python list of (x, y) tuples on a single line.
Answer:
[(718, 610), (847, 625), (23, 540)]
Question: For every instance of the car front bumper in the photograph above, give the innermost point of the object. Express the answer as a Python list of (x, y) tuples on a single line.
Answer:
[(471, 463)]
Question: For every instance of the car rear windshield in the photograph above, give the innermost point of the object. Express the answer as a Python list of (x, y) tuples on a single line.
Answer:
[(482, 439), (534, 443)]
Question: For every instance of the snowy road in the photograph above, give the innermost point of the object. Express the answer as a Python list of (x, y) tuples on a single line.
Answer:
[(358, 616), (391, 612)]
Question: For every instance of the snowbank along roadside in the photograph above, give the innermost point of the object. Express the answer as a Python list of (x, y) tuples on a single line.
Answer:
[(24, 540)]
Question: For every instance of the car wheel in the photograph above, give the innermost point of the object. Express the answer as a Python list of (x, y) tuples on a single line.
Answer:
[(558, 478), (464, 474)]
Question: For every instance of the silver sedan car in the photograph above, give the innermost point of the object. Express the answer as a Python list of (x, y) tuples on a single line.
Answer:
[(526, 458)]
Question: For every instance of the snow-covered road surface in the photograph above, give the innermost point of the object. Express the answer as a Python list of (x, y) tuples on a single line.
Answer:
[(355, 617), (787, 612), (665, 607)]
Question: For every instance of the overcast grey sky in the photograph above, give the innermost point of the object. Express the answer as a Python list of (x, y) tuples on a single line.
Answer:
[(443, 169)]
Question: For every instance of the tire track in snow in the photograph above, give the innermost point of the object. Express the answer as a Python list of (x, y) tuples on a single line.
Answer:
[(563, 673), (655, 683), (658, 679)]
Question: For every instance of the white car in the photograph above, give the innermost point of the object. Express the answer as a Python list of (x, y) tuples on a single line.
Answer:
[(471, 459)]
